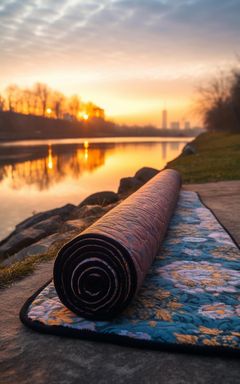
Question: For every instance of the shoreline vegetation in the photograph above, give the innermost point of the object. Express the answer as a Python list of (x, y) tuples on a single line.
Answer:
[(213, 157), (17, 126)]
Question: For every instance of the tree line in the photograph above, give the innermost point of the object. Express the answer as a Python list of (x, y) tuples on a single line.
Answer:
[(219, 102), (41, 100)]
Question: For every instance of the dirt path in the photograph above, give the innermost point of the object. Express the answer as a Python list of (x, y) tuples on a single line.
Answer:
[(29, 357)]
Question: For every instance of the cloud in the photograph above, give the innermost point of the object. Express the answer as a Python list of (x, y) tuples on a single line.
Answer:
[(119, 35)]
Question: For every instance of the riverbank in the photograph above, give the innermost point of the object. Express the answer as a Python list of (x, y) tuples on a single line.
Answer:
[(215, 157), (24, 356), (17, 126)]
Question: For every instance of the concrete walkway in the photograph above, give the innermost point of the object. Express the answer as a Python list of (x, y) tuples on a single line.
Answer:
[(224, 199), (30, 357)]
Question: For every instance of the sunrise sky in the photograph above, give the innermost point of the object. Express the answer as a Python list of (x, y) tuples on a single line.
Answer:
[(129, 57)]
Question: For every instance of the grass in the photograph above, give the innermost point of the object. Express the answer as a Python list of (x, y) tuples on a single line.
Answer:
[(217, 158), (20, 269)]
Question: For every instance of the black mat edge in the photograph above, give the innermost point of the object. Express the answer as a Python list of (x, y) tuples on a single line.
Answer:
[(59, 330)]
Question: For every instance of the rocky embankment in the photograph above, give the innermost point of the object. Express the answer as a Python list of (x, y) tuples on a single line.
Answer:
[(38, 234)]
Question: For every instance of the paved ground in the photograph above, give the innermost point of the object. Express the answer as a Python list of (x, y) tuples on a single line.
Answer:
[(29, 357), (224, 199)]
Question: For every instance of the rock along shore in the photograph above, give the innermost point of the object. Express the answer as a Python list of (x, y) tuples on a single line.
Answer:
[(39, 233)]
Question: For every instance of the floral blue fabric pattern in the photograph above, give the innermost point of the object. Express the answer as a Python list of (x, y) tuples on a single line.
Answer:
[(190, 297)]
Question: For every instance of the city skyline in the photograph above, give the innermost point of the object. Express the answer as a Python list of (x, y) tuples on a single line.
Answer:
[(175, 125)]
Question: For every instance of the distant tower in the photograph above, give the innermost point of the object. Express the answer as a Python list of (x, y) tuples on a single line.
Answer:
[(187, 125), (164, 119)]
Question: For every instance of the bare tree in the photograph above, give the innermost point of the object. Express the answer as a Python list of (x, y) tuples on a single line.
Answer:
[(219, 102), (34, 102), (214, 102), (216, 92), (57, 103), (2, 103), (42, 92), (37, 99), (28, 97), (19, 100), (11, 96), (74, 106)]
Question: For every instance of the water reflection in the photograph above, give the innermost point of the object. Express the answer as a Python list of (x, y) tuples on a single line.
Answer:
[(36, 176), (174, 146), (58, 164), (50, 160), (53, 164)]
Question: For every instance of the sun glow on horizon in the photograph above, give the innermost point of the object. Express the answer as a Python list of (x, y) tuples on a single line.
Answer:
[(85, 116)]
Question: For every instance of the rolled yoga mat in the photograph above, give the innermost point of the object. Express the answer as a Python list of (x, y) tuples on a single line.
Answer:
[(97, 274)]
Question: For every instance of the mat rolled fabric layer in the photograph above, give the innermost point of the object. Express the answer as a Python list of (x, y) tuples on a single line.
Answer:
[(97, 274)]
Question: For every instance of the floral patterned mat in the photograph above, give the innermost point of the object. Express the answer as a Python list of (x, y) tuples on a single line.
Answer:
[(190, 299)]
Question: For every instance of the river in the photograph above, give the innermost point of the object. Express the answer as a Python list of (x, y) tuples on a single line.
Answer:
[(39, 175)]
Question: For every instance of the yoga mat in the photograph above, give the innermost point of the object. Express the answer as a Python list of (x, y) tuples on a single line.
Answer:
[(189, 300), (97, 274)]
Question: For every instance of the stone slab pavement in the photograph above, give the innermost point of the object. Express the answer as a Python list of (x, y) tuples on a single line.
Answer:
[(29, 357)]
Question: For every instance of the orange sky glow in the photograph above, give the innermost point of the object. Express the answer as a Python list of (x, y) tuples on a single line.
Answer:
[(131, 58)]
